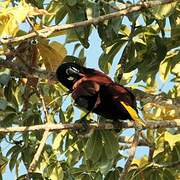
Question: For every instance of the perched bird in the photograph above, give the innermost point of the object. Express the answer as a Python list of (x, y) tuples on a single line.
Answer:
[(96, 92)]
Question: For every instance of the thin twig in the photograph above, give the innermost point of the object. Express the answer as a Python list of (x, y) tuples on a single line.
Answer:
[(131, 154), (129, 140), (131, 9), (32, 26), (39, 94)]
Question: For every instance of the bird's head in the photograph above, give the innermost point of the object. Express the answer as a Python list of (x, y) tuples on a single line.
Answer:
[(69, 73)]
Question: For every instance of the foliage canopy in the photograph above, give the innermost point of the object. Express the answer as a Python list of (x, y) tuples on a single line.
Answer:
[(147, 42)]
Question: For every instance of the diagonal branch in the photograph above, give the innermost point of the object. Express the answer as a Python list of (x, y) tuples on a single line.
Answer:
[(38, 153), (49, 30), (131, 154), (45, 135)]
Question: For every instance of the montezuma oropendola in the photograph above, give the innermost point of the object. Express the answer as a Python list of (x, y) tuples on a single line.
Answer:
[(96, 92)]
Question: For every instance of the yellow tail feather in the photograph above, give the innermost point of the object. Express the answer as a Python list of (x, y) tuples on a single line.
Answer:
[(133, 113)]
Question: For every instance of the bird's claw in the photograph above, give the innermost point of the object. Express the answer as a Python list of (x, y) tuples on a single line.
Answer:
[(85, 126)]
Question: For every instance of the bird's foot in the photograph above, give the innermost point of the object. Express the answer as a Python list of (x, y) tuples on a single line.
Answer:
[(85, 126)]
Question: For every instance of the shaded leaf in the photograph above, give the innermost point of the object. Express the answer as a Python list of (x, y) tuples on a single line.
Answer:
[(93, 148), (111, 144), (52, 54)]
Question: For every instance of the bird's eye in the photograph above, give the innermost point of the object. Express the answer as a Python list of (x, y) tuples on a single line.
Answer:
[(71, 71)]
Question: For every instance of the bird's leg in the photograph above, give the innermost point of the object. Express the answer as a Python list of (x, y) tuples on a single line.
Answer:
[(83, 119)]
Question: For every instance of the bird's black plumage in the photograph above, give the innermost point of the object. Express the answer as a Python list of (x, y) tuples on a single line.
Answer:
[(95, 91)]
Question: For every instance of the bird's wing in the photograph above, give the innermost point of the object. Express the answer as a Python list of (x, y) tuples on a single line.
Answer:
[(86, 94), (85, 88), (127, 100)]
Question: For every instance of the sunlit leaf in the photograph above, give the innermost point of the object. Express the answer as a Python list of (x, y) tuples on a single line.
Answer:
[(163, 11), (171, 139), (52, 54)]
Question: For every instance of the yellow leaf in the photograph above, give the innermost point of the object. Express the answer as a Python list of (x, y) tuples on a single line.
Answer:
[(127, 77), (171, 139), (60, 49), (52, 54), (10, 18), (159, 148), (141, 162), (5, 4), (163, 111), (176, 69), (34, 11), (59, 137)]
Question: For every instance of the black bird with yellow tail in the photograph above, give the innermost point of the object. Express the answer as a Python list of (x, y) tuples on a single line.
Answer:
[(96, 92)]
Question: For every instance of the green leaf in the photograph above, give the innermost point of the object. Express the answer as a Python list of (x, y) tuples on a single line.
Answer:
[(34, 176), (61, 116), (59, 137), (105, 163), (60, 14), (112, 175), (98, 176), (3, 104), (93, 148), (155, 175), (69, 112), (53, 7), (4, 76), (9, 119), (168, 175), (13, 160), (57, 173), (3, 163), (163, 11), (76, 14), (110, 143), (161, 48), (71, 2), (171, 139), (106, 58), (159, 145)]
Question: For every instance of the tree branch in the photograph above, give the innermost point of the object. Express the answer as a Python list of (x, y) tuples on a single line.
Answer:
[(131, 154), (129, 140), (49, 30), (169, 165), (54, 127), (38, 153), (45, 135)]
